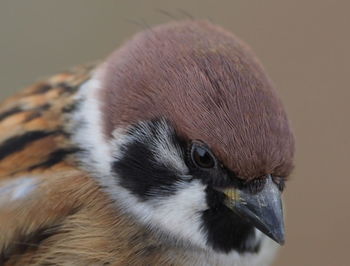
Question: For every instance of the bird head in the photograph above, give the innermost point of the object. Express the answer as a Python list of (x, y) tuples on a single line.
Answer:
[(187, 134)]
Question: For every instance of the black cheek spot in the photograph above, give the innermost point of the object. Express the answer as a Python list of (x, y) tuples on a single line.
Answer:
[(139, 172)]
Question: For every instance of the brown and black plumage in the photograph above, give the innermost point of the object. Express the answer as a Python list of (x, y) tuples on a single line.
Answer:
[(148, 158), (67, 220)]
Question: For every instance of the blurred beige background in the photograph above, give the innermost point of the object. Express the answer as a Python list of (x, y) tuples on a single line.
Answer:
[(304, 46)]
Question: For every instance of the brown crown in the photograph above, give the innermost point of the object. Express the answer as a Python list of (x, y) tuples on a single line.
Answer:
[(210, 86)]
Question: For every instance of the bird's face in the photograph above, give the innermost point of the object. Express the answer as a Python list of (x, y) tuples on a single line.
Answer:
[(186, 133), (182, 188)]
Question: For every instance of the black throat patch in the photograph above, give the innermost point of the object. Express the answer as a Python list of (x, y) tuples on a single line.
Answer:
[(226, 230)]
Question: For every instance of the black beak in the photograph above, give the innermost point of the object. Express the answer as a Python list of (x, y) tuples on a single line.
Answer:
[(263, 210)]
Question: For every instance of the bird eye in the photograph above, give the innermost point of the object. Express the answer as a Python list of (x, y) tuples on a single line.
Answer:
[(202, 157)]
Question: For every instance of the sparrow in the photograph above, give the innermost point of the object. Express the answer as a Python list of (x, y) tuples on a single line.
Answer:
[(174, 150)]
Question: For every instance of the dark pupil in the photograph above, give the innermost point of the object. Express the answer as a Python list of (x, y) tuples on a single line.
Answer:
[(203, 158)]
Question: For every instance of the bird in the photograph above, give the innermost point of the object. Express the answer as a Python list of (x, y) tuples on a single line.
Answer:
[(174, 150)]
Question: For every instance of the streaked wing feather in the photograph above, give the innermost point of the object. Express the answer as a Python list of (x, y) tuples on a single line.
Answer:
[(36, 167), (32, 124), (51, 212)]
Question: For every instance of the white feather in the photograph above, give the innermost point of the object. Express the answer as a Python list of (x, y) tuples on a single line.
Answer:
[(87, 127)]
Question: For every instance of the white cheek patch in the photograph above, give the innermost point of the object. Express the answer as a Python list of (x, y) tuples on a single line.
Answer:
[(17, 189), (87, 128), (181, 213), (177, 216)]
